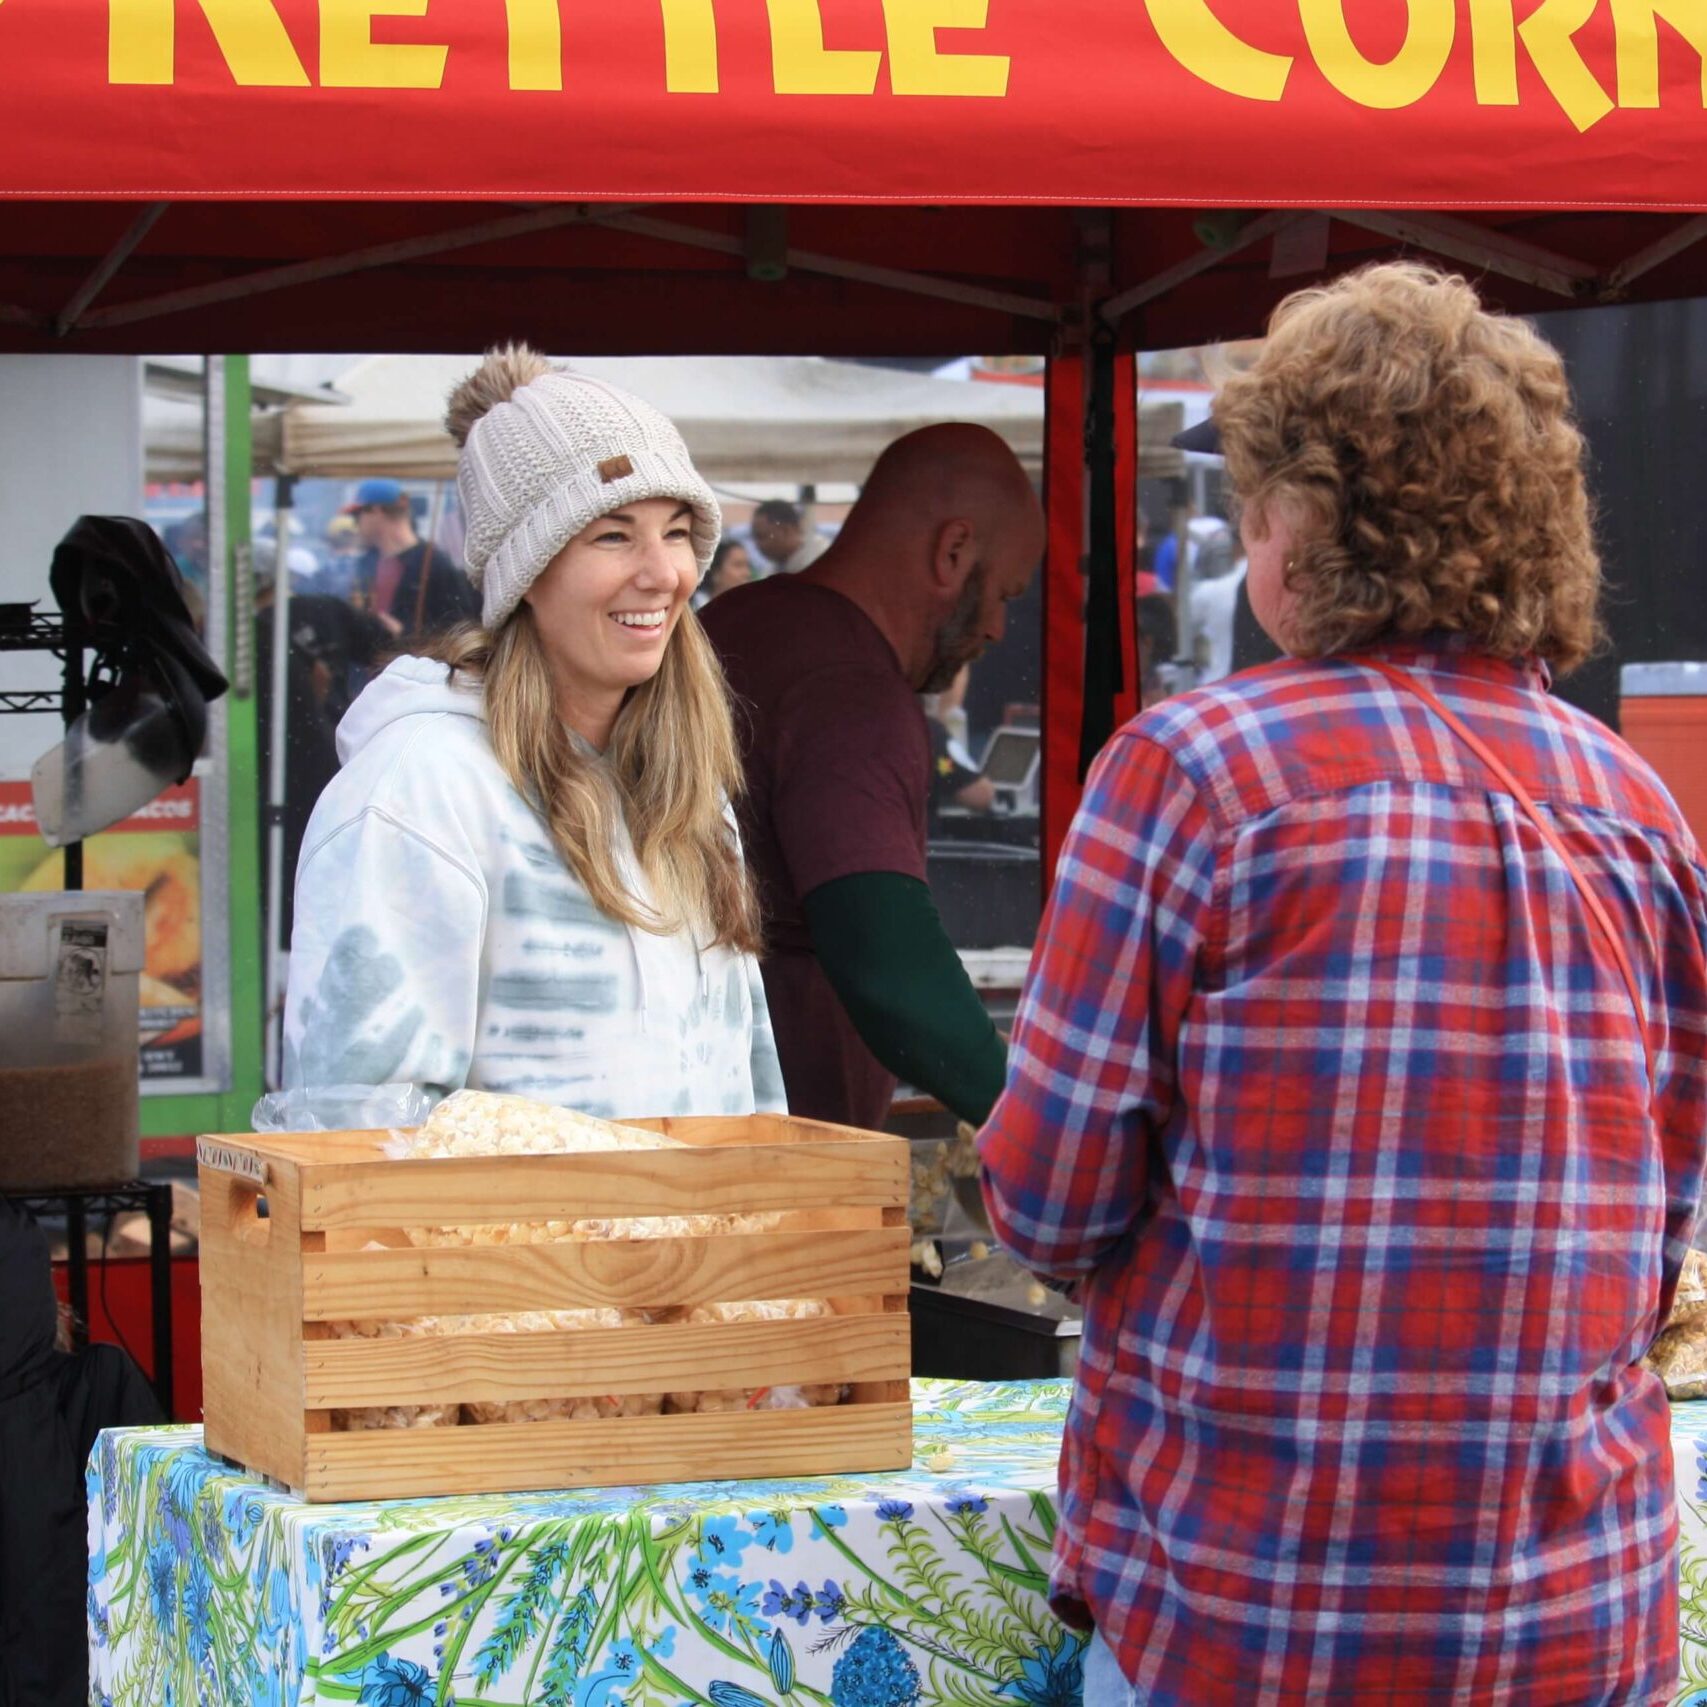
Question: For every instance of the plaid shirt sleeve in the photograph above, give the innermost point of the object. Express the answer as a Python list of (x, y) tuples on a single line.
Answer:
[(1091, 1071)]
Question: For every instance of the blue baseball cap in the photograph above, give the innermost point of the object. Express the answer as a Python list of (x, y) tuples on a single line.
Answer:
[(377, 491)]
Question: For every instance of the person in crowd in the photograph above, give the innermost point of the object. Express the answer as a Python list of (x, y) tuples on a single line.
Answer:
[(1358, 1083), (329, 640), (1218, 571), (53, 1403), (783, 539), (527, 877), (416, 590), (340, 573), (864, 985), (187, 542), (731, 567), (1158, 640), (955, 781)]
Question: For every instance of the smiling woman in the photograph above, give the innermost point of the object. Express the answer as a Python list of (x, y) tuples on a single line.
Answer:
[(526, 876)]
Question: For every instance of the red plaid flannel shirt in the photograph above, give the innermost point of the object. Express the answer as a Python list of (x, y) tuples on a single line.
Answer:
[(1330, 1095)]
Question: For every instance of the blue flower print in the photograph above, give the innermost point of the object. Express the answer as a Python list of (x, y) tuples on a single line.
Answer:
[(1052, 1677), (772, 1529), (780, 1658), (174, 1519), (100, 1628), (665, 1645), (275, 1603), (797, 1603), (894, 1511), (727, 1602), (622, 1666), (396, 1683), (109, 1476), (967, 1505), (163, 1586), (735, 1695), (874, 1672), (212, 1520), (242, 1510), (722, 1541), (266, 1686), (832, 1603), (198, 1609), (832, 1516)]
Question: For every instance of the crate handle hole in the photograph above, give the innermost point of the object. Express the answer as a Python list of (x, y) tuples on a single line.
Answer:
[(251, 1224)]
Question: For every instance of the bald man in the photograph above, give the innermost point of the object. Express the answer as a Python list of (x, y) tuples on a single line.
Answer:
[(827, 667)]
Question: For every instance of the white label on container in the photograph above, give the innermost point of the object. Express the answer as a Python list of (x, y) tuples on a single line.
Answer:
[(226, 1160), (80, 981)]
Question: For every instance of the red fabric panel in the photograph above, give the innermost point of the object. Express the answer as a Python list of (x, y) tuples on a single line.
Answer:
[(1063, 600), (1087, 101)]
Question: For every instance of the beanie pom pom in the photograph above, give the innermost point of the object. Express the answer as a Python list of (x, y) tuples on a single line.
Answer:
[(506, 369)]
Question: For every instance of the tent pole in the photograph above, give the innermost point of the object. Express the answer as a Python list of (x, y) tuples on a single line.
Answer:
[(1479, 246), (1264, 225), (1062, 688), (808, 261), (104, 274), (1675, 241), (284, 487), (336, 266)]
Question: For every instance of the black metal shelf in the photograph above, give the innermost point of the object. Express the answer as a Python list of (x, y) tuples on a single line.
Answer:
[(77, 1204), (25, 629)]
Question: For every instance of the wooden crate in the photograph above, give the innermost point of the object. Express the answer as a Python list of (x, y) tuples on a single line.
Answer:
[(272, 1376)]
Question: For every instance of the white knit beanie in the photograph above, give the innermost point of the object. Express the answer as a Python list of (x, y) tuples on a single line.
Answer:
[(545, 452)]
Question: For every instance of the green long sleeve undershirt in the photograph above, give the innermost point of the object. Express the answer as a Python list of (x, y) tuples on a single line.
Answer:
[(882, 946)]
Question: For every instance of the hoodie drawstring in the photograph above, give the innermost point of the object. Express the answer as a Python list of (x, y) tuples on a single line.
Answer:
[(634, 947)]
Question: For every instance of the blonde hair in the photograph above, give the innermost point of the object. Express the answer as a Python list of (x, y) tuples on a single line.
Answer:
[(672, 768), (1426, 450), (670, 771)]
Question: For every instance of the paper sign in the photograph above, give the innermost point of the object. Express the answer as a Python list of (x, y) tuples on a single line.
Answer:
[(225, 1159)]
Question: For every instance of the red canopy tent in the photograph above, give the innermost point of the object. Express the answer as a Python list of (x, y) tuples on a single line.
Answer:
[(1081, 178)]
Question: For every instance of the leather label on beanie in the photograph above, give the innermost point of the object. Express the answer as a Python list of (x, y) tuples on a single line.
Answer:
[(615, 468)]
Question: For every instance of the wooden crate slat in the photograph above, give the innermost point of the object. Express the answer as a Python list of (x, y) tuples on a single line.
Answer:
[(386, 1285), (575, 1363), (715, 1180), (517, 1457), (271, 1285)]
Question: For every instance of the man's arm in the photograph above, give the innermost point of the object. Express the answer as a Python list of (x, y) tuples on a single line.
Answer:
[(882, 946), (1095, 1048)]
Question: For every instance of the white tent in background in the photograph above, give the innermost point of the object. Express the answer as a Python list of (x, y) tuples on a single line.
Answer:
[(793, 420), (745, 418)]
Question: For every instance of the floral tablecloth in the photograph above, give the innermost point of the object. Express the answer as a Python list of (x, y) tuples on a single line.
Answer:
[(907, 1590), (1689, 1453)]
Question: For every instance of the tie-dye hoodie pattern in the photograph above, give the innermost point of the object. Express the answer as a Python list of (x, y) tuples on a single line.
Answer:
[(440, 942)]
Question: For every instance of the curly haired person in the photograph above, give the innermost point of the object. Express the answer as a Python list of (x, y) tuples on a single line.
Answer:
[(1360, 1081)]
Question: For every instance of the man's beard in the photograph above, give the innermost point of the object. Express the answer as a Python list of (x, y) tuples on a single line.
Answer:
[(956, 643)]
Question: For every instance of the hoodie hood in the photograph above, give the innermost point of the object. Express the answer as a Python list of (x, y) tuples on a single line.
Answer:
[(407, 687)]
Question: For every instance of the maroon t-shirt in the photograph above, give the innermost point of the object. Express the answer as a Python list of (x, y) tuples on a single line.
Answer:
[(837, 757)]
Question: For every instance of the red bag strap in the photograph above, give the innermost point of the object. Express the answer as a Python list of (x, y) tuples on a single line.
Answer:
[(1503, 775)]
